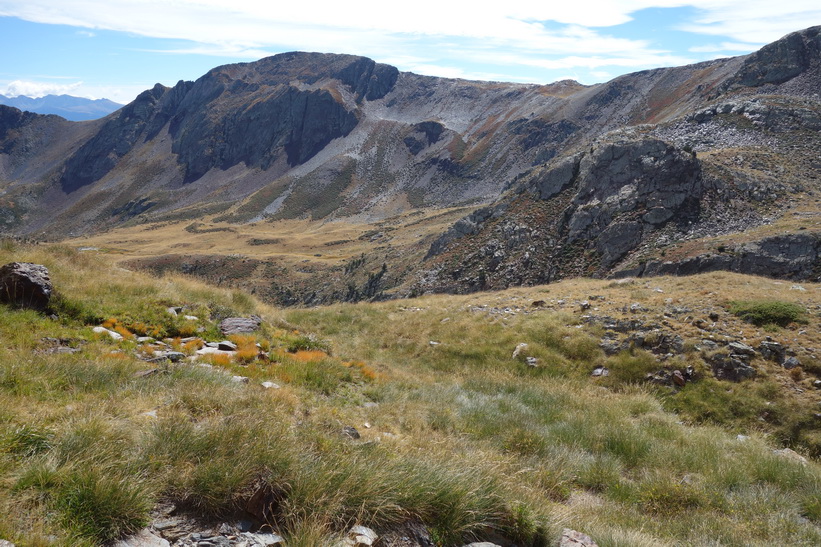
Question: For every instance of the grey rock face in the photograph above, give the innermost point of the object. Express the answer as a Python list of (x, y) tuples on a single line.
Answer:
[(621, 192), (100, 154), (772, 351), (262, 116), (781, 60), (631, 176), (25, 285)]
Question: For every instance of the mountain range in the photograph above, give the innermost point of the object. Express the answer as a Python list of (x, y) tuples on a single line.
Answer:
[(674, 170), (67, 106)]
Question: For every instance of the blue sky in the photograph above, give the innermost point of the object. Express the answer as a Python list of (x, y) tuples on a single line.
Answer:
[(118, 48)]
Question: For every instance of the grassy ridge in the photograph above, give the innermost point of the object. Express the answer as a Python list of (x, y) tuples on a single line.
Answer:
[(454, 432)]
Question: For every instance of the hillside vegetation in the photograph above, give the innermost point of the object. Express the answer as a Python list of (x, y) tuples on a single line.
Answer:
[(453, 433)]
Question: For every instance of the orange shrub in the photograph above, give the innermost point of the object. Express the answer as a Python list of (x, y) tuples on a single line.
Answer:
[(111, 322), (138, 328), (219, 360), (246, 355), (308, 355), (124, 332), (367, 372), (190, 347)]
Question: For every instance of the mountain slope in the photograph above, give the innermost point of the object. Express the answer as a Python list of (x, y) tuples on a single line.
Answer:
[(319, 134)]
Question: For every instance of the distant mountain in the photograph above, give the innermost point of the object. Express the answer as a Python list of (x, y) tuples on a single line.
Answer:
[(71, 108)]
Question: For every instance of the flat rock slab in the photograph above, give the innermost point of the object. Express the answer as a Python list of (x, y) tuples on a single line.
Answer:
[(142, 539), (572, 538), (25, 285), (239, 325)]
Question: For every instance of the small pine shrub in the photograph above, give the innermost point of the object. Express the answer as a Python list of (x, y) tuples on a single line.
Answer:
[(768, 312)]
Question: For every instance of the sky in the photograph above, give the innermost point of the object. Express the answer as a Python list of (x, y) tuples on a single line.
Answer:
[(115, 49)]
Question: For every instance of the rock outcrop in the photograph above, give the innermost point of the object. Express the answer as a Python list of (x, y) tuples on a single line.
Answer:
[(788, 256), (615, 196)]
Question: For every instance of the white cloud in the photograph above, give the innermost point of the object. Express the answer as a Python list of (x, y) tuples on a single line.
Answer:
[(724, 47), (426, 35), (38, 89)]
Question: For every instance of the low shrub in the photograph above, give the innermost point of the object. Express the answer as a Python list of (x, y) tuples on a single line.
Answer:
[(768, 312)]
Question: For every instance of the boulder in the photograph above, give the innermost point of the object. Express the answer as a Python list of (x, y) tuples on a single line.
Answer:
[(728, 367), (239, 325), (791, 362), (25, 285), (791, 455), (739, 348), (772, 351)]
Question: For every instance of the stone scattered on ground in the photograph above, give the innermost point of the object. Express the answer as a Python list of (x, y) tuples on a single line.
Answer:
[(350, 432), (113, 335), (25, 285), (572, 538), (358, 536)]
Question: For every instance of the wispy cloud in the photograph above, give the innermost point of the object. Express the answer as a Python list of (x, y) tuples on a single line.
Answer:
[(724, 47), (38, 89), (517, 41), (570, 31)]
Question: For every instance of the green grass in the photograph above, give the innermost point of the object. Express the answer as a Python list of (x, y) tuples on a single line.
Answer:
[(464, 438)]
